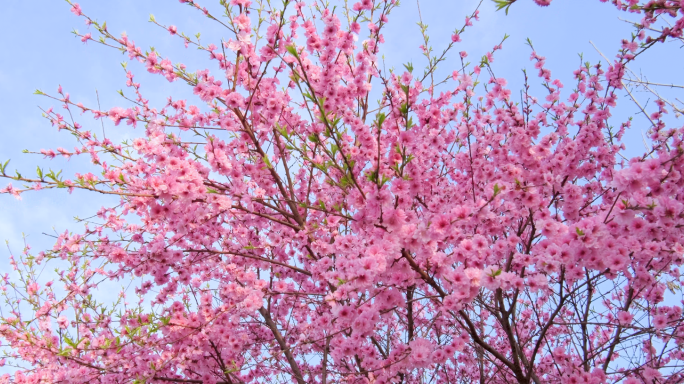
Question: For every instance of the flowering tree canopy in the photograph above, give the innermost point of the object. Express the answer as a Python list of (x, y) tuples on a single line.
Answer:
[(286, 228)]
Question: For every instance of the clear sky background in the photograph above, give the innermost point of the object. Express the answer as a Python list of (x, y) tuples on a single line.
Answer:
[(38, 52)]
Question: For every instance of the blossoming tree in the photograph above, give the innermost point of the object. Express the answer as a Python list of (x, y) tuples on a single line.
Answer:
[(288, 229)]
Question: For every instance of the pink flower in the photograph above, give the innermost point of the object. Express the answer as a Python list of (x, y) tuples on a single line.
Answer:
[(474, 275), (62, 322), (76, 9), (172, 29), (439, 356), (280, 286), (441, 223), (625, 318), (421, 351), (616, 262), (489, 278), (651, 374), (660, 322), (11, 190), (395, 219), (242, 21)]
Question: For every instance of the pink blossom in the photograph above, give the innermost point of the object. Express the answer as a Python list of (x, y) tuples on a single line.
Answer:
[(62, 322), (651, 374), (76, 9), (242, 21), (421, 351), (660, 321), (625, 318), (543, 3), (284, 224)]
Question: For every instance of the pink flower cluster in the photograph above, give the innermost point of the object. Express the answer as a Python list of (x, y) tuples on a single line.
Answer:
[(280, 226)]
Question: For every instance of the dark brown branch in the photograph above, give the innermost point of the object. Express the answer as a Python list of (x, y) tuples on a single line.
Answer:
[(296, 372)]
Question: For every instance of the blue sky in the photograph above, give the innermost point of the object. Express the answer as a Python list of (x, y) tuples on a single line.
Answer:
[(40, 53)]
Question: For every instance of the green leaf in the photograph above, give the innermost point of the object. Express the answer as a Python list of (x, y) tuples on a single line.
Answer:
[(403, 109), (497, 190), (292, 50), (381, 119), (267, 162), (69, 341), (501, 4), (3, 167), (282, 131), (579, 231), (295, 77)]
